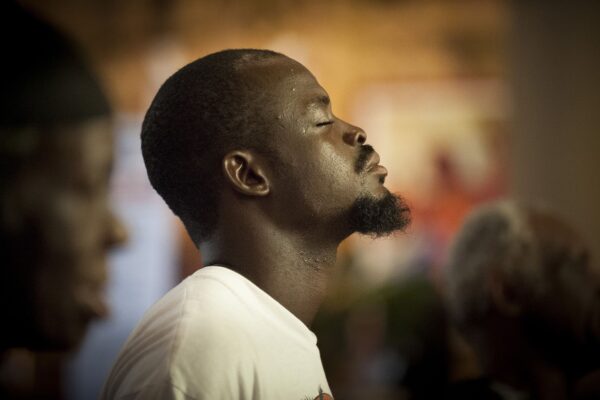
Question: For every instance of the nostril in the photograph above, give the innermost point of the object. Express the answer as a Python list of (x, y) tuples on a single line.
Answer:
[(355, 136), (361, 137)]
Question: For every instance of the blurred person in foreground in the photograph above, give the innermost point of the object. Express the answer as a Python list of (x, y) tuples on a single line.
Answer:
[(522, 290), (244, 147), (56, 150)]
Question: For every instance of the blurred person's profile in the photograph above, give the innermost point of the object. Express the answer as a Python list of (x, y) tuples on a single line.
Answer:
[(522, 290), (56, 151), (244, 147)]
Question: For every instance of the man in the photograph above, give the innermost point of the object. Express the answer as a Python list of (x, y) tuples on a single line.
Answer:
[(56, 155), (522, 289), (55, 223), (244, 148)]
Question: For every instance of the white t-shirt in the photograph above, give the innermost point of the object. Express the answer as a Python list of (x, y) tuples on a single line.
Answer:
[(218, 336)]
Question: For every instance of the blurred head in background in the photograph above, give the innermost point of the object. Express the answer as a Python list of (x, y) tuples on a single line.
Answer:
[(56, 150), (522, 289)]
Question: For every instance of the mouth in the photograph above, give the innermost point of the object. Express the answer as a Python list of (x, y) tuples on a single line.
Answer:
[(92, 302), (373, 167)]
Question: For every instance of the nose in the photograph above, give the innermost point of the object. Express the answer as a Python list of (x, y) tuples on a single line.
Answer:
[(116, 231), (354, 136)]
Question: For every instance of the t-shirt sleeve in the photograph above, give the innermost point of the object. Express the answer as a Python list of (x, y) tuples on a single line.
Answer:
[(160, 391), (214, 360)]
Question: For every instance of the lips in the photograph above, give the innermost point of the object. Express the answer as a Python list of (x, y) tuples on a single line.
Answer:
[(91, 301), (373, 165), (372, 162)]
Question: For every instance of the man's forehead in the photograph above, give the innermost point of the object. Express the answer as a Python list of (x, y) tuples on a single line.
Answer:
[(286, 87), (271, 68), (280, 71), (302, 85)]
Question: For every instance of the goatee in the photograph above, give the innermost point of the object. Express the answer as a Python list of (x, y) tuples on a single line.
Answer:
[(379, 217)]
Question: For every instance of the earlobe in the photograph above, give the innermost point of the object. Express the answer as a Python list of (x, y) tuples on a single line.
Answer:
[(245, 172)]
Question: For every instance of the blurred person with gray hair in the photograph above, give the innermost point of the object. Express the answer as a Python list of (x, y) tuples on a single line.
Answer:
[(522, 290)]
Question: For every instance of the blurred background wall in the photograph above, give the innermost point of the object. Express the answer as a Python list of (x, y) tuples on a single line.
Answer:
[(555, 142), (465, 100)]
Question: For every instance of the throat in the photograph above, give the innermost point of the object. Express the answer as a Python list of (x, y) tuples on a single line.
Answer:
[(301, 291), (295, 276), (319, 262)]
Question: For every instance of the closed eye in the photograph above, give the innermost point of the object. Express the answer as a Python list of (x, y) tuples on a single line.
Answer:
[(324, 123)]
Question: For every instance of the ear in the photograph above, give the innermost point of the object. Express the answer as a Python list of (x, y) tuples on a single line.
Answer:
[(503, 295), (245, 171)]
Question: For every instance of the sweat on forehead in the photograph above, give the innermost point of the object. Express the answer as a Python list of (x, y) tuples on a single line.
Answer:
[(267, 70), (256, 58)]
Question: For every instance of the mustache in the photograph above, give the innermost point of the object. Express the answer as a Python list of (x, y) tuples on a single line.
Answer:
[(363, 156)]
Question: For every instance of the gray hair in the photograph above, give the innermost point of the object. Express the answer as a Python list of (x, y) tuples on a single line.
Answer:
[(497, 238)]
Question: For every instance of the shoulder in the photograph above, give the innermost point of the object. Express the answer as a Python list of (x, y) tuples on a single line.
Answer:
[(195, 338), (215, 354), (214, 319), (207, 294), (205, 309), (164, 390)]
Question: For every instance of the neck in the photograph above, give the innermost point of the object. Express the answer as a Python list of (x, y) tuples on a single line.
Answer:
[(292, 268)]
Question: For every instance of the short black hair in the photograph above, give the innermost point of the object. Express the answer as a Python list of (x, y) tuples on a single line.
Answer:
[(201, 112), (45, 78)]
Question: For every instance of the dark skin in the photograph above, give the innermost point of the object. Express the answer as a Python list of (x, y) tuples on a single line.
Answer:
[(280, 222), (56, 266)]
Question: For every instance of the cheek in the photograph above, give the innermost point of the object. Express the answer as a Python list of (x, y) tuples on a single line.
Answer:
[(74, 237), (338, 167), (318, 176), (74, 260), (75, 224), (334, 184)]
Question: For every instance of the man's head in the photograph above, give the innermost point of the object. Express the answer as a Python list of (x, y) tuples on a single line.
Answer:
[(529, 268), (56, 156), (258, 123)]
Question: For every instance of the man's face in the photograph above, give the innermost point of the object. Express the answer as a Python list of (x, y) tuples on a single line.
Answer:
[(69, 227), (328, 175)]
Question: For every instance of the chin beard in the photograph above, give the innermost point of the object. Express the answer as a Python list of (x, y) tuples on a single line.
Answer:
[(379, 217)]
